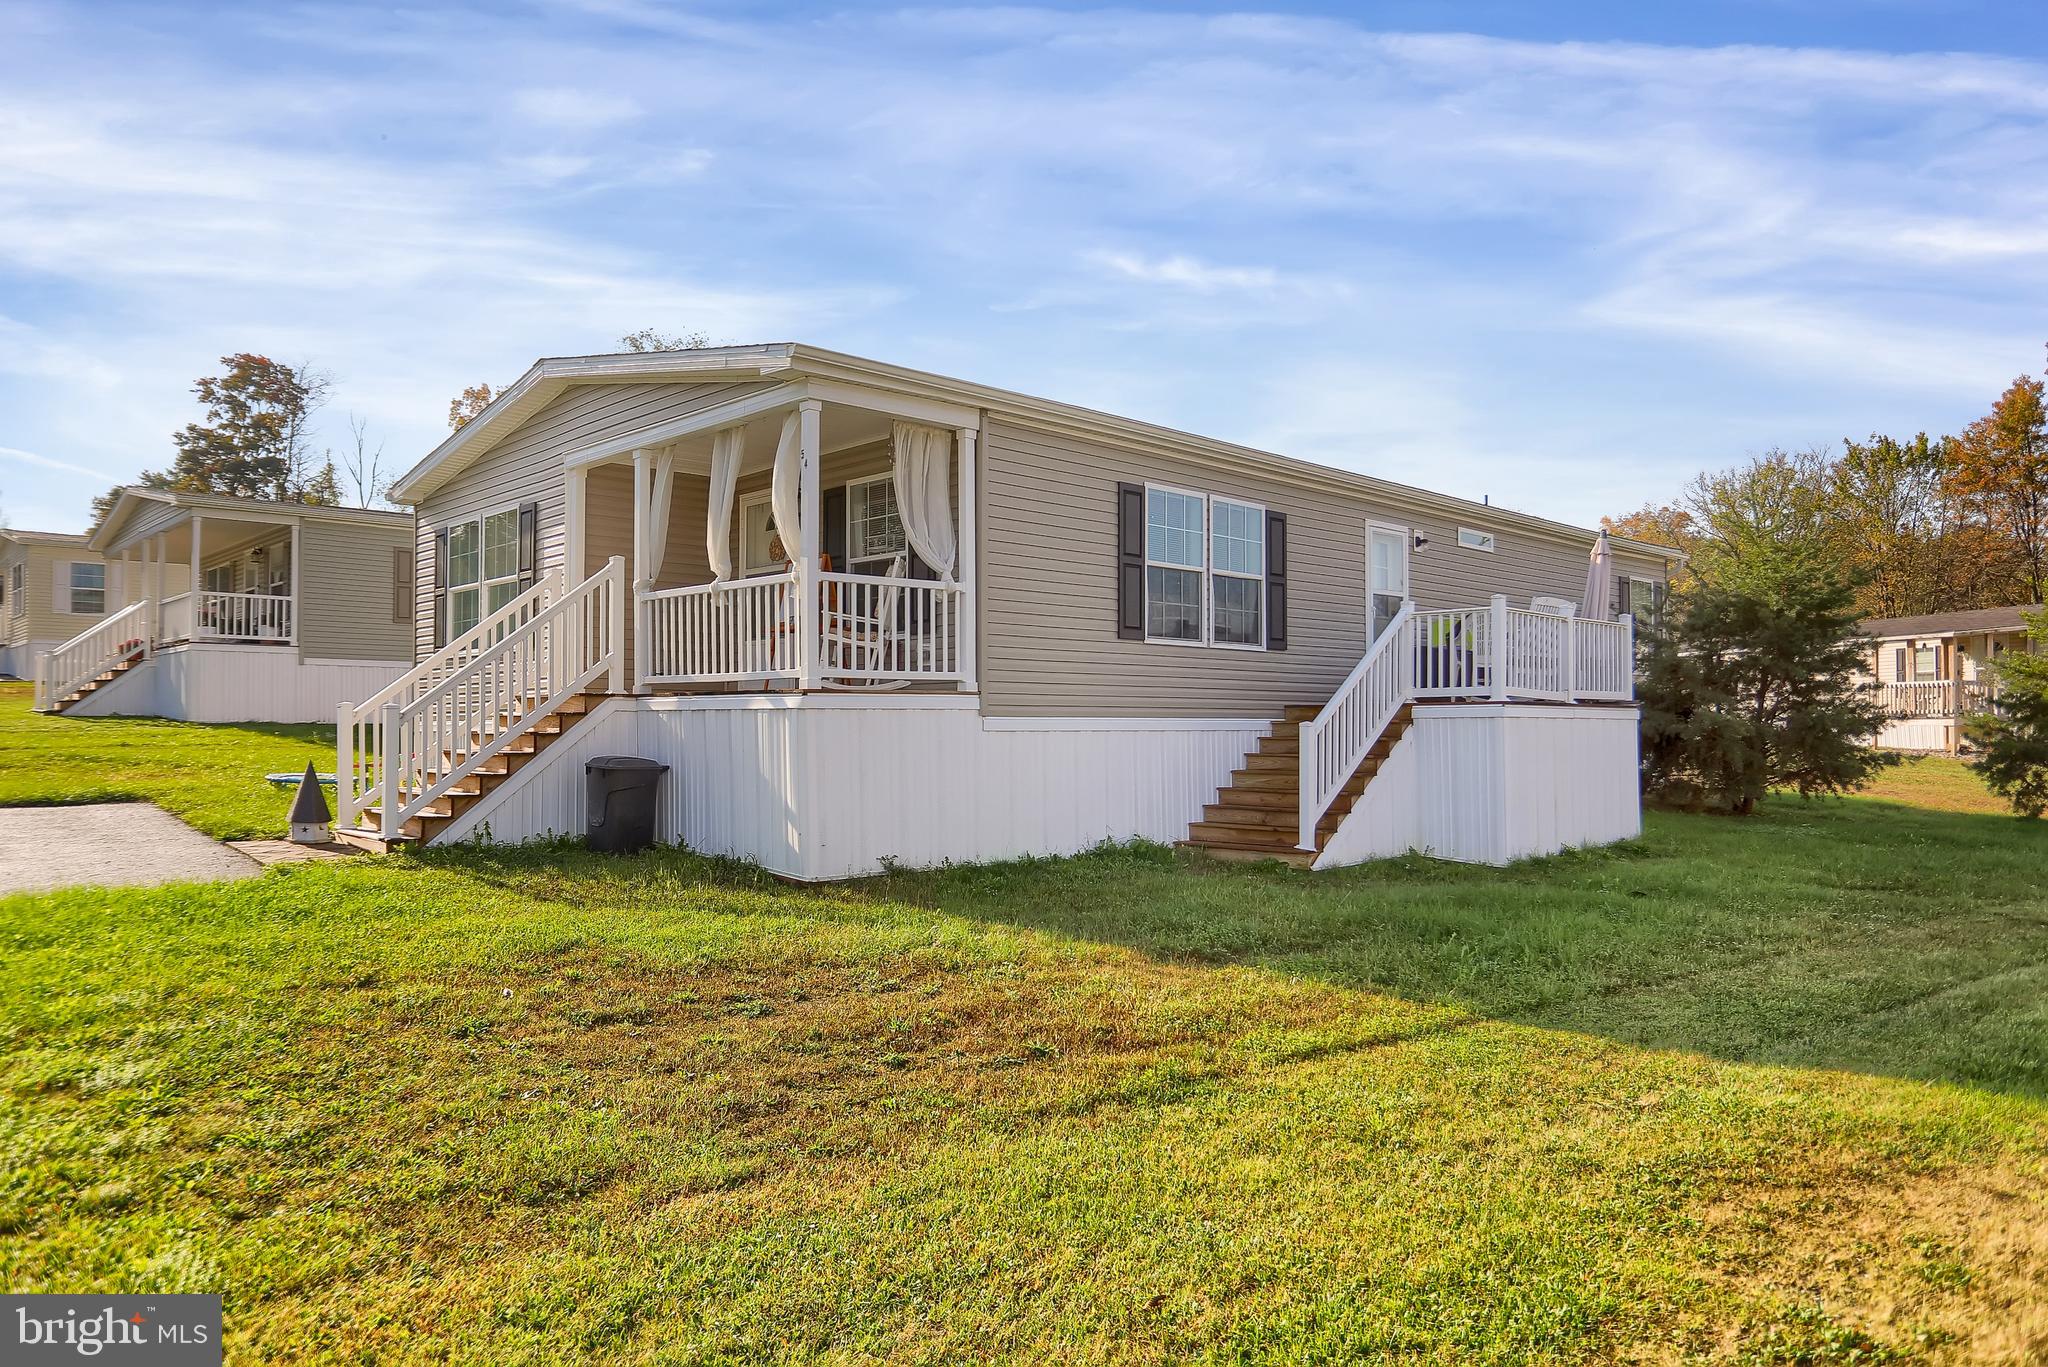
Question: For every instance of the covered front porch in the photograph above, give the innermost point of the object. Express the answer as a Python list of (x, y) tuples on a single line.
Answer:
[(210, 576), (803, 537)]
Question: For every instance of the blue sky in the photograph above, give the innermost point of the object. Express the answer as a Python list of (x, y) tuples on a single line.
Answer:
[(1562, 255)]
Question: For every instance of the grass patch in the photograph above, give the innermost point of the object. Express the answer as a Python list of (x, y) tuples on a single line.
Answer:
[(212, 776), (1765, 1091)]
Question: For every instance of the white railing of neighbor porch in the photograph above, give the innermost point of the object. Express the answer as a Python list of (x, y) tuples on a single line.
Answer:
[(174, 618), (89, 654), (875, 629), (244, 616), (1496, 653), (1933, 697), (708, 633), (435, 725)]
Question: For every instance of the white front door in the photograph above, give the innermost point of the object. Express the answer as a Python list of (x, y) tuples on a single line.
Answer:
[(1388, 584)]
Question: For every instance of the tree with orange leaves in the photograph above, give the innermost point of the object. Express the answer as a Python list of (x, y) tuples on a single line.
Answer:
[(1998, 474)]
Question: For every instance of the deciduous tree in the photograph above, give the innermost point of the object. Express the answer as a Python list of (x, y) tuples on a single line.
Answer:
[(2012, 740), (1999, 474)]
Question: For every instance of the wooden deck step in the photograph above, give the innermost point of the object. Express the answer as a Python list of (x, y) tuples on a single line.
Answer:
[(1258, 815)]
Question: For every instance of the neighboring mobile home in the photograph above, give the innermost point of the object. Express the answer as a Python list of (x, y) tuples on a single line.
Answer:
[(52, 586), (1933, 670), (869, 614), (238, 609)]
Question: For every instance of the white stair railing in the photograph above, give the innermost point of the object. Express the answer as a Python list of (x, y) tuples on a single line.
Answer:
[(437, 724), (1335, 742), (89, 654)]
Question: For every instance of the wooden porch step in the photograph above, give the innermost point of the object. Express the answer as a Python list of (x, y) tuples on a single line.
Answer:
[(1251, 854), (423, 826)]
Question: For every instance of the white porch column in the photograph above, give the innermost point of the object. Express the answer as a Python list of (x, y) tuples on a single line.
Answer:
[(192, 602), (573, 571), (810, 514), (295, 582), (970, 570), (155, 546), (643, 560)]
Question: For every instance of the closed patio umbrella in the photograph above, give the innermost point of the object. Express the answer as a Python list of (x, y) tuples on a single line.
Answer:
[(1599, 581)]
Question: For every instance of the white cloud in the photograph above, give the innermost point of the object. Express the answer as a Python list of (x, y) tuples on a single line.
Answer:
[(1482, 238), (1185, 271), (15, 454)]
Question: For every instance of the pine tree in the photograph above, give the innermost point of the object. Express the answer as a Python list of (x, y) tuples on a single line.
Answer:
[(2013, 739), (1752, 689)]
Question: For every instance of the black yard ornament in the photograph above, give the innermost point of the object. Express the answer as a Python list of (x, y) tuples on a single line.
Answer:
[(310, 817)]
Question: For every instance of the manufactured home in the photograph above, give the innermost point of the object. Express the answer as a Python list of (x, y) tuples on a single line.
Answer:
[(868, 614), (1933, 670), (237, 610), (52, 586)]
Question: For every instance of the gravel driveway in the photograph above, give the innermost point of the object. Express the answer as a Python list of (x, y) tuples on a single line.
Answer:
[(108, 843)]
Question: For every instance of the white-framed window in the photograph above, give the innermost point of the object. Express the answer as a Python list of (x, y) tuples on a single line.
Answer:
[(1237, 574), (874, 530), (761, 548), (1926, 663), (17, 578), (1205, 569), (220, 579), (483, 567), (1472, 539), (88, 587)]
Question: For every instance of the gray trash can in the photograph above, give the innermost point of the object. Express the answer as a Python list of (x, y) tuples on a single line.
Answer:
[(622, 791)]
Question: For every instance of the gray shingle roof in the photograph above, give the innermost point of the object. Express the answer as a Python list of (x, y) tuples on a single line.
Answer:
[(1945, 623)]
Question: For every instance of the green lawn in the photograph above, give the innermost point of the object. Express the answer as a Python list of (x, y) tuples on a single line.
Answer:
[(210, 775), (1764, 1092)]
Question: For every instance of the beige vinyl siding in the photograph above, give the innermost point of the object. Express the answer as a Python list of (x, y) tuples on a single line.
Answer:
[(527, 467), (38, 618), (345, 583), (1048, 642)]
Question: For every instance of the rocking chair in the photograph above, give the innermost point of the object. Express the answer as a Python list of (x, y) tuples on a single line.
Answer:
[(860, 633)]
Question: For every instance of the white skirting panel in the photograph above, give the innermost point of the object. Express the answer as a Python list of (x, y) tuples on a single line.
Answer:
[(19, 662), (1917, 733), (230, 683), (1491, 783), (822, 788)]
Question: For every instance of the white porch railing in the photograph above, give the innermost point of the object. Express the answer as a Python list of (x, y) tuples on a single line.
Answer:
[(174, 619), (1496, 652), (1933, 698), (871, 630), (432, 727), (707, 633), (89, 654), (243, 617), (874, 629)]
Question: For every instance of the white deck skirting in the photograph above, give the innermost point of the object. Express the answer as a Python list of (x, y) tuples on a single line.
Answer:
[(830, 787), (217, 682), (1488, 783)]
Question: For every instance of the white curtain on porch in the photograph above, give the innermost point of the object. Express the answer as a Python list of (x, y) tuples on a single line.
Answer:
[(664, 478), (785, 495), (924, 493), (728, 444)]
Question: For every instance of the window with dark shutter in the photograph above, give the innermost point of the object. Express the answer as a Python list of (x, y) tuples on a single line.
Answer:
[(440, 587), (529, 545), (1130, 562), (1276, 581), (401, 583)]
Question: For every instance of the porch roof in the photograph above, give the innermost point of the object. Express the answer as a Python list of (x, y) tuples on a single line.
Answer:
[(775, 361), (119, 529), (1935, 624)]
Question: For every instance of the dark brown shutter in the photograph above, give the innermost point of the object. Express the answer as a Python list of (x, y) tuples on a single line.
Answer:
[(401, 582), (832, 536), (1620, 604), (529, 545), (440, 587), (1130, 562), (1276, 581)]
